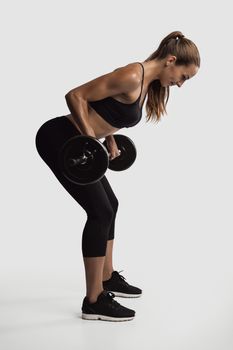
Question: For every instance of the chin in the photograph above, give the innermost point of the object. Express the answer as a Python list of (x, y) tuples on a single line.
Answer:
[(164, 84)]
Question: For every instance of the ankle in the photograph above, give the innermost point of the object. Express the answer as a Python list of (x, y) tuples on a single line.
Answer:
[(107, 275), (92, 298)]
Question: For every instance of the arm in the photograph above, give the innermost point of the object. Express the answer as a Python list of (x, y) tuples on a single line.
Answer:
[(112, 147), (110, 139), (111, 143), (122, 80), (79, 110)]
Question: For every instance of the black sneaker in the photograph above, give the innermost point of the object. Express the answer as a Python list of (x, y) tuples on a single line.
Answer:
[(118, 285), (106, 309)]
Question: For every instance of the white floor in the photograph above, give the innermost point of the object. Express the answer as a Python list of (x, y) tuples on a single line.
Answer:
[(45, 313)]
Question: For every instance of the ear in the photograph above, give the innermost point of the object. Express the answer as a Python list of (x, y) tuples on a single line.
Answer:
[(170, 60)]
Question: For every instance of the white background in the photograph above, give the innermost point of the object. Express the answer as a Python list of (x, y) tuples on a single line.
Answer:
[(174, 225)]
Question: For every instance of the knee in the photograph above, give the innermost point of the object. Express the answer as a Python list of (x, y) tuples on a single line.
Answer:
[(104, 216), (107, 216)]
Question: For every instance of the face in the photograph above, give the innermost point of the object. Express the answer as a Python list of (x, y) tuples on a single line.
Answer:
[(176, 75)]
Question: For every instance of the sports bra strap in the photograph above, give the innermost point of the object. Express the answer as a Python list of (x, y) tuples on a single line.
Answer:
[(142, 78)]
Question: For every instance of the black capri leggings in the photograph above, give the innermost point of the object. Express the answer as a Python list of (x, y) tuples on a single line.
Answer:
[(98, 199)]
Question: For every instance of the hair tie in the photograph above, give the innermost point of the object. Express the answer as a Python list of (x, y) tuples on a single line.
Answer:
[(179, 37)]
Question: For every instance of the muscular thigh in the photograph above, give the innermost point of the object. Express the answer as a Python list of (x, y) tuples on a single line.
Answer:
[(93, 198)]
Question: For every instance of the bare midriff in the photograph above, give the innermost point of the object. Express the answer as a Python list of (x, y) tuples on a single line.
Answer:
[(97, 123)]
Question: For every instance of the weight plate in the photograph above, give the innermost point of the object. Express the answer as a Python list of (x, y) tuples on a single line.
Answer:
[(83, 159), (127, 156)]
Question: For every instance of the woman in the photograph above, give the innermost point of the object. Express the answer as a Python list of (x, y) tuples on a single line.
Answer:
[(99, 108)]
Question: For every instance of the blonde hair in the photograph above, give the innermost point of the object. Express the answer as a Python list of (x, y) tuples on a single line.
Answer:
[(186, 53)]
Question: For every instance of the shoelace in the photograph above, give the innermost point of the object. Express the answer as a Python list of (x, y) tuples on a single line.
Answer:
[(122, 277), (111, 295)]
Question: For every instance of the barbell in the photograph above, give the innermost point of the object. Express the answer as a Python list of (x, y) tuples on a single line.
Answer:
[(84, 159)]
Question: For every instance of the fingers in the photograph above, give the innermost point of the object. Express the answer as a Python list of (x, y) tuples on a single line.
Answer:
[(115, 154)]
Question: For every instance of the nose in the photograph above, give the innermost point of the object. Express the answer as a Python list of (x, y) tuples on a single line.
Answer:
[(179, 84)]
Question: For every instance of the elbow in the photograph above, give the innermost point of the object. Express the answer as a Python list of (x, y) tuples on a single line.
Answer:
[(68, 95), (73, 100), (70, 101), (72, 95)]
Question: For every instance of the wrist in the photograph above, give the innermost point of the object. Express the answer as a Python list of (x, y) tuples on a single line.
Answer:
[(110, 139)]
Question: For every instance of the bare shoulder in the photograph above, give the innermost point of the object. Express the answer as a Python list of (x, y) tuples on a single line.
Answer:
[(132, 69)]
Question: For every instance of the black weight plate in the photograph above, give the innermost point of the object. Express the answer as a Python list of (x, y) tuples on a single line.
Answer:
[(83, 171), (127, 156)]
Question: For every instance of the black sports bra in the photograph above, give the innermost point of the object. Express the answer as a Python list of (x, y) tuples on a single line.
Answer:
[(119, 114)]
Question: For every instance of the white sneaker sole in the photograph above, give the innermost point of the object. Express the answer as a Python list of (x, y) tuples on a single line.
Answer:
[(105, 318), (124, 295)]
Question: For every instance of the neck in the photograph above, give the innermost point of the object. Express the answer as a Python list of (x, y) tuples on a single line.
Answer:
[(153, 69)]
